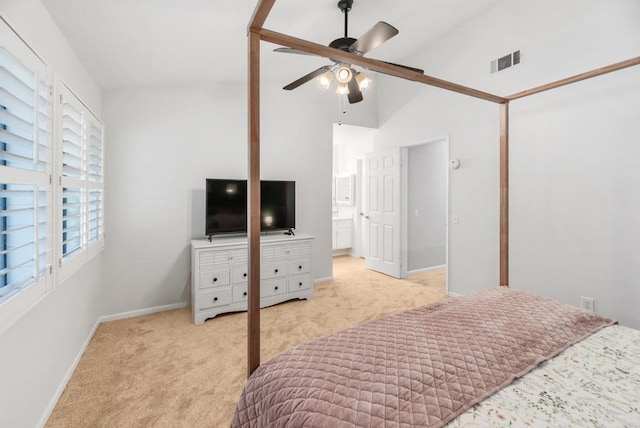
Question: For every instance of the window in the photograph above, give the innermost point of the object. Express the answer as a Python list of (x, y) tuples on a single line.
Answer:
[(81, 164), (26, 113), (40, 222)]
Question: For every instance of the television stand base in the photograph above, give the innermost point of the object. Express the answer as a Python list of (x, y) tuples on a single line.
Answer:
[(290, 232)]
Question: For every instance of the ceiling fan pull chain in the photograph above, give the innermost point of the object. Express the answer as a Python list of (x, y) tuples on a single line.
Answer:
[(342, 107)]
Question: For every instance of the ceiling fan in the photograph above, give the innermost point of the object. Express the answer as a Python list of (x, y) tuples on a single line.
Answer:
[(350, 81)]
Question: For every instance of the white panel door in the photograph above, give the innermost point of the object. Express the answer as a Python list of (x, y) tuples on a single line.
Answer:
[(382, 212)]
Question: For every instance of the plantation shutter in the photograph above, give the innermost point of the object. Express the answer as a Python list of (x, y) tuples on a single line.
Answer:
[(23, 258), (81, 182), (25, 175), (94, 170), (72, 175)]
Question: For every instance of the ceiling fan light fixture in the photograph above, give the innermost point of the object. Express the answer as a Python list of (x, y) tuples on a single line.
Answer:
[(363, 80), (343, 74), (325, 79), (342, 89)]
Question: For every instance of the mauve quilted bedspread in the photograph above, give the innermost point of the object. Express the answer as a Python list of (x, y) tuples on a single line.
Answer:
[(419, 368)]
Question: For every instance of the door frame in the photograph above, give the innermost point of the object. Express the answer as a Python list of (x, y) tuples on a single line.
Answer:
[(360, 230), (404, 204)]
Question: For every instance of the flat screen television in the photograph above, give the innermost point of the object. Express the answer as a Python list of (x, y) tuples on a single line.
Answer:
[(226, 206)]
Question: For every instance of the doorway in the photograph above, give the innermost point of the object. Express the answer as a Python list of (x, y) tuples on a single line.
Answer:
[(425, 207), (350, 144), (407, 208)]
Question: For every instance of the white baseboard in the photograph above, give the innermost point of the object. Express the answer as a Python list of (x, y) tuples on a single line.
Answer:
[(452, 294), (413, 272), (145, 311), (338, 253), (325, 279), (67, 377)]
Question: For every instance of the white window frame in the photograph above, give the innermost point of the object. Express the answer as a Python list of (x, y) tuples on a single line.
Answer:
[(87, 250), (52, 180), (28, 296)]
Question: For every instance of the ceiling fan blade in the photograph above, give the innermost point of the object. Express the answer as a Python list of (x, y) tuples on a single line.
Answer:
[(354, 95), (304, 79), (292, 51), (417, 70), (377, 35)]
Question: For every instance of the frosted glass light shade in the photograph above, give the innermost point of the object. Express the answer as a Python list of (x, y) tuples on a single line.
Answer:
[(343, 74), (342, 89), (325, 79), (363, 80)]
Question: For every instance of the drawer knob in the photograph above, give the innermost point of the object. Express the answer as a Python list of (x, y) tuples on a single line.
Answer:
[(300, 284), (244, 275), (276, 271), (244, 294), (276, 287), (300, 267), (215, 279), (215, 299)]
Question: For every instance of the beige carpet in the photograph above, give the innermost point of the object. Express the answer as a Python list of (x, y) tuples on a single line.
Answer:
[(161, 370)]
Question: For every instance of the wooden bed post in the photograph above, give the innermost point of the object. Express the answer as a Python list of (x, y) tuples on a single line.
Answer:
[(504, 194), (253, 108), (253, 317)]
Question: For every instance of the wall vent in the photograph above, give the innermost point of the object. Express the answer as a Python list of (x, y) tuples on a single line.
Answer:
[(506, 61)]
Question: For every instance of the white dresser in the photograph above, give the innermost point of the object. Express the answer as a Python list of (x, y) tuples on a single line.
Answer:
[(219, 271)]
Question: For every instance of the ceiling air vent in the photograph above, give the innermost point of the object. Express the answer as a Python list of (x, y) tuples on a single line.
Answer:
[(505, 61)]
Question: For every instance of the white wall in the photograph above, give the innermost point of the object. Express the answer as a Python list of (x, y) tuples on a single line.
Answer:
[(575, 194), (350, 143), (40, 348), (427, 205), (164, 142), (571, 134)]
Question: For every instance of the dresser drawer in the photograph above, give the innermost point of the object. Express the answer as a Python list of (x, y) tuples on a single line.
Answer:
[(299, 283), (240, 294), (214, 278), (214, 298), (274, 270), (214, 259), (299, 266), (239, 274), (238, 257), (274, 253), (273, 287)]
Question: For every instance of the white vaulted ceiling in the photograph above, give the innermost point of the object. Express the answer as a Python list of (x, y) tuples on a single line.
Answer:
[(126, 43)]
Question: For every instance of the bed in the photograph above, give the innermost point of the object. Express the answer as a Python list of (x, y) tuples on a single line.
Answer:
[(494, 358)]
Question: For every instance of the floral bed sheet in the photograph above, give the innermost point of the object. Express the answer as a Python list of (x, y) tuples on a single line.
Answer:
[(594, 383)]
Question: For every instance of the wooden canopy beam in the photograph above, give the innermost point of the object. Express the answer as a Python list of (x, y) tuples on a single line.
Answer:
[(577, 78), (260, 14), (372, 64)]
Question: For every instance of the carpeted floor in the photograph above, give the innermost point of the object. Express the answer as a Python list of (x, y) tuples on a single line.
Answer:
[(161, 370)]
